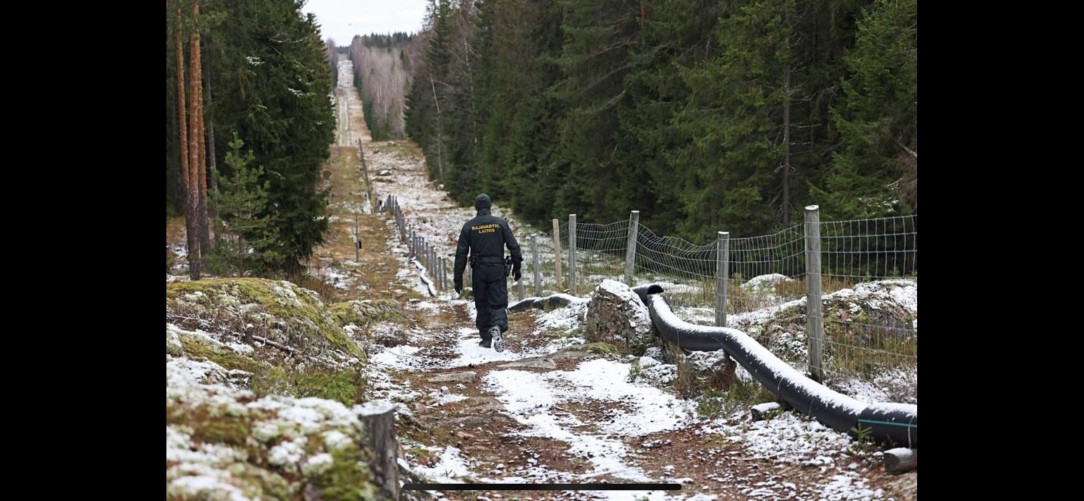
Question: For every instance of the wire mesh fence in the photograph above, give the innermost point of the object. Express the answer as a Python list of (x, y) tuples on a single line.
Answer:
[(767, 276), (866, 249), (878, 260), (547, 259), (868, 281), (600, 253), (686, 270)]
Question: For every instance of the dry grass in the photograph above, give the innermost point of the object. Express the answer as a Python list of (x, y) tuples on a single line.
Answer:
[(402, 149), (373, 274), (866, 346)]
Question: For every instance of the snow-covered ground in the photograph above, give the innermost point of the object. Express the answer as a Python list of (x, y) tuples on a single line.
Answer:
[(638, 410), (542, 403), (589, 411)]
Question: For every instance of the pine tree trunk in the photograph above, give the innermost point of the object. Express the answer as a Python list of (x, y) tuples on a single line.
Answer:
[(209, 155), (204, 227), (212, 213), (195, 88), (213, 181), (180, 102), (189, 213)]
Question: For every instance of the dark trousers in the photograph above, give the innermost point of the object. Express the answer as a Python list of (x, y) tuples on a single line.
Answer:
[(490, 297)]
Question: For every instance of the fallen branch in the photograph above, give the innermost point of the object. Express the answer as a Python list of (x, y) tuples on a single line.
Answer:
[(908, 150), (269, 342)]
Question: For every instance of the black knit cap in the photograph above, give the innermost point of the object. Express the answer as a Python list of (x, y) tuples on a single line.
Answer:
[(483, 202)]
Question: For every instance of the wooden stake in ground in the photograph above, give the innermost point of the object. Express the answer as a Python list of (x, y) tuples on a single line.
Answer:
[(378, 421)]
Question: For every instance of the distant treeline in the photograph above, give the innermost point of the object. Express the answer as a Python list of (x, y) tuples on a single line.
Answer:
[(382, 68), (385, 41), (705, 115)]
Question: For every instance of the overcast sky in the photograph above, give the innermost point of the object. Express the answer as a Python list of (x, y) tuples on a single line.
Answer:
[(342, 19)]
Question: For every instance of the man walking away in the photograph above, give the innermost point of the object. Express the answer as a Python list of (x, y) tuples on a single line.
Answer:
[(484, 238)]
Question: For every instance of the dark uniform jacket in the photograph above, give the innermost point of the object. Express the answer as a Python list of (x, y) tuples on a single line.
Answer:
[(484, 238)]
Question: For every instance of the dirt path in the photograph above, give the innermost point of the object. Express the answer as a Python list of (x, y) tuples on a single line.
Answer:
[(547, 410)]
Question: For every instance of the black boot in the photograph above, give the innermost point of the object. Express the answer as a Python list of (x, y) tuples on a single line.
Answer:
[(498, 341)]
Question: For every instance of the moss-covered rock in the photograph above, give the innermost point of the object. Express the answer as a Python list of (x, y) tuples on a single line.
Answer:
[(616, 316), (342, 383), (603, 348), (362, 312), (277, 311), (223, 442)]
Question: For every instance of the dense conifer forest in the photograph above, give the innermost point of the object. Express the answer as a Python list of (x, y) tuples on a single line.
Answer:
[(705, 115)]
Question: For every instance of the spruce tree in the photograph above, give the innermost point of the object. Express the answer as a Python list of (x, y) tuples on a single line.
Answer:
[(875, 172), (242, 203), (272, 87), (598, 38)]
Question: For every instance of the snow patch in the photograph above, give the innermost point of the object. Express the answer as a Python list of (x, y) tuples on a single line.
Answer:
[(450, 468), (632, 409), (397, 357)]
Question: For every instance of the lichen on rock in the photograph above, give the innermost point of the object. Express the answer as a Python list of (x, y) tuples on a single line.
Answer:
[(615, 315), (276, 311), (224, 443)]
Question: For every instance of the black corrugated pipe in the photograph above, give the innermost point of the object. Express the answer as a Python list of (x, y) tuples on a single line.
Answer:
[(888, 422), (542, 303)]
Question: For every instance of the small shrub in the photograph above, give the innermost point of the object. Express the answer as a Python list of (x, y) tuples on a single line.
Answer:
[(711, 403), (686, 384), (863, 435)]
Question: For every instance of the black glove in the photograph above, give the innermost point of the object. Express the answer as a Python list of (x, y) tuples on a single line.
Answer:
[(516, 271), (458, 286)]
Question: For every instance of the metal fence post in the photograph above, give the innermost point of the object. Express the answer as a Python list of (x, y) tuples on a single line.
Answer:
[(557, 251), (722, 265), (630, 251), (443, 273), (357, 238), (537, 271), (572, 254), (814, 315)]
